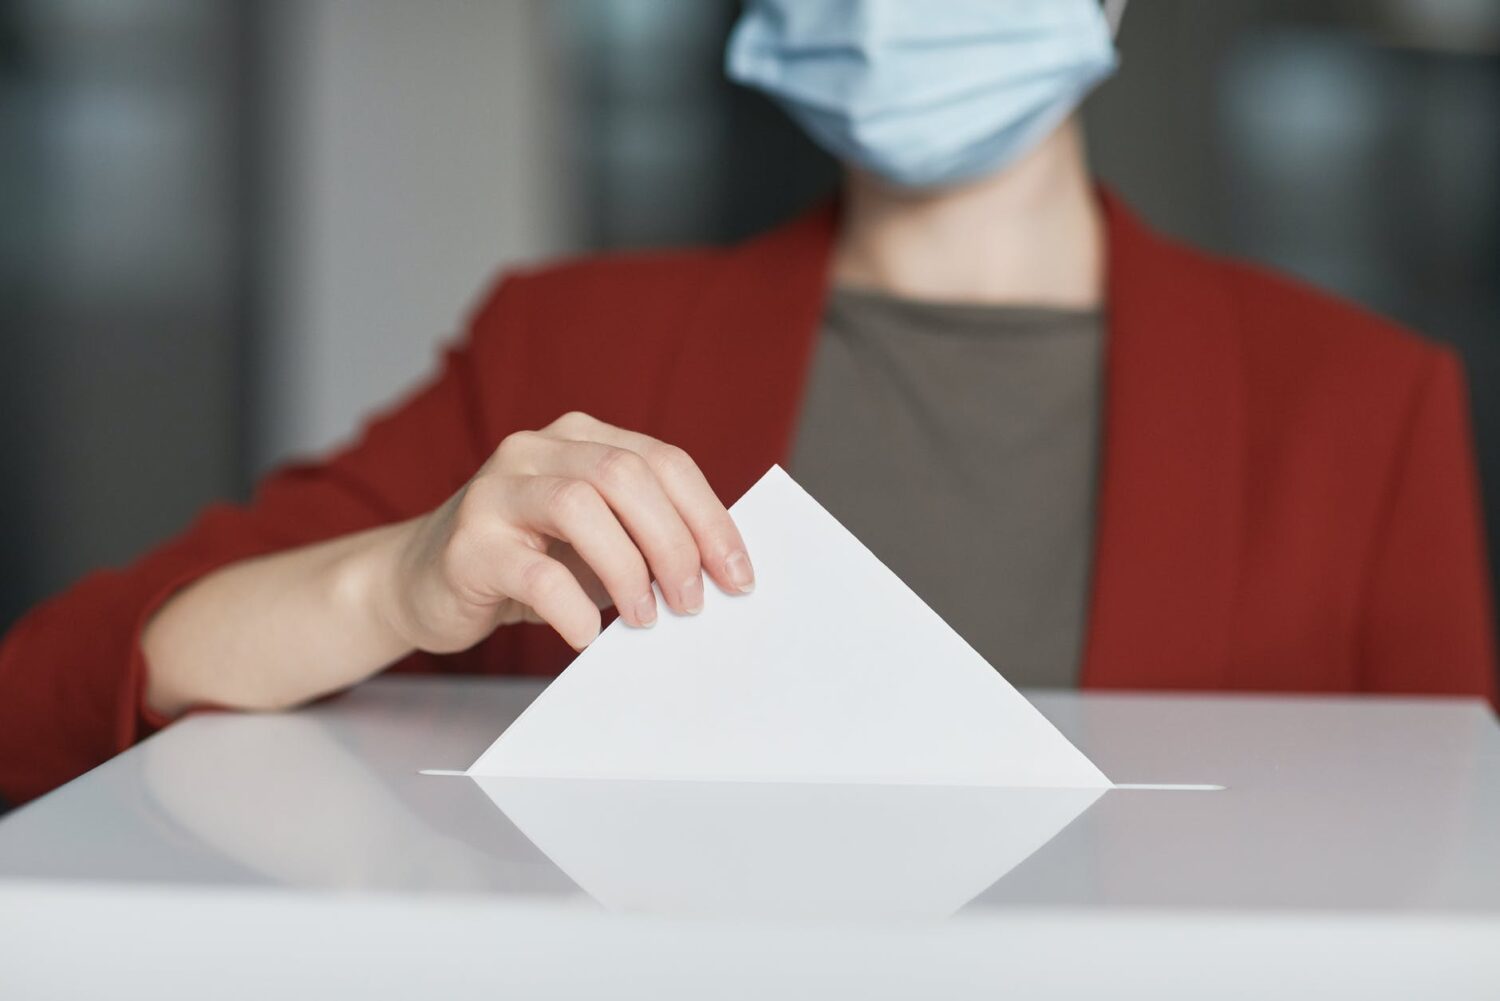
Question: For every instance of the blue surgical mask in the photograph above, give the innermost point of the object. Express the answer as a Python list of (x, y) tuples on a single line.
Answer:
[(925, 92)]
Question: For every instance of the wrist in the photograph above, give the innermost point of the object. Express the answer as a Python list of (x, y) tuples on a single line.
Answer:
[(367, 581)]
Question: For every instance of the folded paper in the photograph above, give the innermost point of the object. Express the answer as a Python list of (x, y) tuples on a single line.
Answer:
[(831, 671)]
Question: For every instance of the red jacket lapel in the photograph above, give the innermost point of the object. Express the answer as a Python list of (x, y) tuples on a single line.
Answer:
[(1168, 524), (1166, 550)]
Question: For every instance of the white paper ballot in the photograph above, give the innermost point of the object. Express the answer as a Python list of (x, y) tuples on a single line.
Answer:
[(831, 671)]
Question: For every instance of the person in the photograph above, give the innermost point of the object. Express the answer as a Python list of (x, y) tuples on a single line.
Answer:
[(1107, 459)]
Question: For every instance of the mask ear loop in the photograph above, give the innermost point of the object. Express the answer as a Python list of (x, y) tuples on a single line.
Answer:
[(1114, 10)]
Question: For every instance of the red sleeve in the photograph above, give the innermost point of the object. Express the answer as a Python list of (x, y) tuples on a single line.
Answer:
[(71, 671), (1428, 621)]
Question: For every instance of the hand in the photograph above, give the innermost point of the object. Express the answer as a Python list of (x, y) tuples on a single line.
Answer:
[(556, 525)]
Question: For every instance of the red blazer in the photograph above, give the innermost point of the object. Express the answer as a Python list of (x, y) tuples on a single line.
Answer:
[(1288, 497)]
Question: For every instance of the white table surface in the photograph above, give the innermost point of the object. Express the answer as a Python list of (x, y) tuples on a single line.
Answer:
[(1354, 851)]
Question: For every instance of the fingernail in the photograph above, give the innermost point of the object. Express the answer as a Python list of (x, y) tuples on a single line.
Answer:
[(645, 612), (737, 569), (692, 595)]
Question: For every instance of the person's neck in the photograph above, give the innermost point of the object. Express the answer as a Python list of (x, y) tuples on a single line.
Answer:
[(1032, 234)]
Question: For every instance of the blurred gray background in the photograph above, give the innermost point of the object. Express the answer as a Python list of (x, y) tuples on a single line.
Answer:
[(230, 227)]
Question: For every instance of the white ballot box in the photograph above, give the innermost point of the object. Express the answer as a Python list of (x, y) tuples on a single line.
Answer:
[(1352, 851)]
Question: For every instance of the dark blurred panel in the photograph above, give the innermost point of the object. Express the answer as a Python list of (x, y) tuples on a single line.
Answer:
[(668, 150), (20, 170), (121, 263)]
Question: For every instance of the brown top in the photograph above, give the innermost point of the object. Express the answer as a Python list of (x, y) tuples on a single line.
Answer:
[(961, 443)]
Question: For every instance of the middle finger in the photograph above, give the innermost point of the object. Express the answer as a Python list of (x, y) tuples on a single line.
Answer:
[(627, 483)]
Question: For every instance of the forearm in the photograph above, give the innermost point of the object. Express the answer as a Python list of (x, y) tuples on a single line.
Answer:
[(278, 630)]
